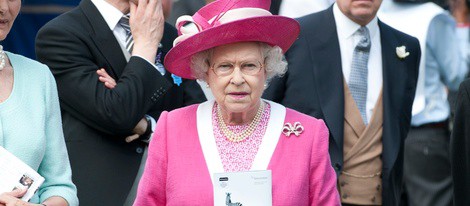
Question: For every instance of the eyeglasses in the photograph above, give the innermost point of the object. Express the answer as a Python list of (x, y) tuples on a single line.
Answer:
[(226, 68)]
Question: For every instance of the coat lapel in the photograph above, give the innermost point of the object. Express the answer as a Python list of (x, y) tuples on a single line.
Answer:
[(104, 39), (393, 92), (326, 57)]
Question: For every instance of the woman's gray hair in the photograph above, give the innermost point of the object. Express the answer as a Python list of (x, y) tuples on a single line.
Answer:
[(274, 62)]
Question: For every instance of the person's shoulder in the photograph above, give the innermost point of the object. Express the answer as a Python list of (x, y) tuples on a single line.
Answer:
[(399, 34), (21, 62), (170, 29), (465, 85), (294, 115), (411, 42), (441, 21), (315, 18), (37, 72), (183, 112), (69, 19)]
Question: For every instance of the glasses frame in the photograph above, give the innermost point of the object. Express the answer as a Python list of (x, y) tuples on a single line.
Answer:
[(212, 67)]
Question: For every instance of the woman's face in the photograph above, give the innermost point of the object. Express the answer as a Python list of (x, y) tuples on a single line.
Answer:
[(9, 9), (237, 76)]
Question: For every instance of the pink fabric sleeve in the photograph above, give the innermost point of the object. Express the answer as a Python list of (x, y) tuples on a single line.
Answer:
[(152, 185), (322, 176)]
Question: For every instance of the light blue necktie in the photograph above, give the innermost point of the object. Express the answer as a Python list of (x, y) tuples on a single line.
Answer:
[(358, 76)]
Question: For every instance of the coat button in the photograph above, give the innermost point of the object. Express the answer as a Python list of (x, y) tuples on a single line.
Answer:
[(338, 166), (139, 150)]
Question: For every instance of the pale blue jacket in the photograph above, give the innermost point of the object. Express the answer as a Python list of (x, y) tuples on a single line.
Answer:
[(31, 128)]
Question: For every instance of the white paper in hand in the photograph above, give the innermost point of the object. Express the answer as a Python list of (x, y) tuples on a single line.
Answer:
[(14, 173)]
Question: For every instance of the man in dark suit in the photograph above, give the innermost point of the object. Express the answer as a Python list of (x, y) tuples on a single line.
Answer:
[(460, 146), (98, 121), (368, 128)]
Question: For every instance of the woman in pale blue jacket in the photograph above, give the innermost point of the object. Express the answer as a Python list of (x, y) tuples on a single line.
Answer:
[(30, 122)]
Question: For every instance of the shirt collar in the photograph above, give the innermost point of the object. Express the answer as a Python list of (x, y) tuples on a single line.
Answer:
[(111, 14), (346, 27)]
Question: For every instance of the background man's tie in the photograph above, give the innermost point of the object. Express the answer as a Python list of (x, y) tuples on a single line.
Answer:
[(124, 22), (358, 76)]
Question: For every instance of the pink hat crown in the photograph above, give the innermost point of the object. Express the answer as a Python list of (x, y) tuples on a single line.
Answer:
[(220, 12), (224, 22)]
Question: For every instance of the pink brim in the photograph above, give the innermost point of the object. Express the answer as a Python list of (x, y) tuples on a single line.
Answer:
[(273, 30)]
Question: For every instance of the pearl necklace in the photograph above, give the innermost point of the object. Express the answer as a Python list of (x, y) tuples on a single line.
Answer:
[(238, 137), (2, 58)]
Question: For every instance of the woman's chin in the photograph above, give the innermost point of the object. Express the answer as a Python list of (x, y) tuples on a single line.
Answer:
[(234, 107)]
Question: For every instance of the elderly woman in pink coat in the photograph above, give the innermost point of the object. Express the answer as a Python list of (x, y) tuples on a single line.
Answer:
[(236, 47)]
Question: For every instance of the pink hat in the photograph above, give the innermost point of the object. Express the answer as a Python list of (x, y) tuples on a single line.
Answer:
[(228, 21)]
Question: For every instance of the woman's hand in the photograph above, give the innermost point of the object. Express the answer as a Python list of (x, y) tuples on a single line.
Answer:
[(12, 198)]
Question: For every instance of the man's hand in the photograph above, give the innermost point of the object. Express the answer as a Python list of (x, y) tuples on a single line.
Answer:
[(110, 83), (104, 77), (147, 23)]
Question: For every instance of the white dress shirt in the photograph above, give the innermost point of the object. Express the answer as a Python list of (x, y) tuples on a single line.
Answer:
[(348, 39)]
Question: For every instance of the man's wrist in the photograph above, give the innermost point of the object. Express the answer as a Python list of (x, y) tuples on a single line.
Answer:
[(148, 53), (146, 136)]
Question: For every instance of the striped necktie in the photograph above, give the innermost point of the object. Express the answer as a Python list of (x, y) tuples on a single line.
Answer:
[(358, 76), (124, 22)]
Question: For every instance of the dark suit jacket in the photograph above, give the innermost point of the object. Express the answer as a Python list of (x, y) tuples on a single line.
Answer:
[(313, 85), (460, 146), (96, 119)]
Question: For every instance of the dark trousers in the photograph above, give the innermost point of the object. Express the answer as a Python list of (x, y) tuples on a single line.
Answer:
[(427, 174)]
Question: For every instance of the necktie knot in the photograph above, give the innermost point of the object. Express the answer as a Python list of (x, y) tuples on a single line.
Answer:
[(124, 22), (364, 42)]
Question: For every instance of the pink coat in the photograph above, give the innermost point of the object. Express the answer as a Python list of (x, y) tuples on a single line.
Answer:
[(176, 172)]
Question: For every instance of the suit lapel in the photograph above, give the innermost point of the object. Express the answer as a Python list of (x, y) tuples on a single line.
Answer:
[(326, 57), (104, 39), (393, 89)]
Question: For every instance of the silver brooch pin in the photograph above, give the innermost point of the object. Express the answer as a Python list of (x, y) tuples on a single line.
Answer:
[(295, 129)]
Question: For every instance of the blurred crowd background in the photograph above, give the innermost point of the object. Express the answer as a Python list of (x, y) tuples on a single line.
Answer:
[(35, 13)]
